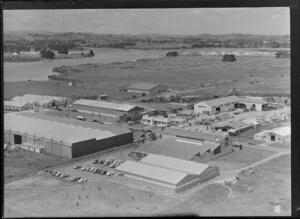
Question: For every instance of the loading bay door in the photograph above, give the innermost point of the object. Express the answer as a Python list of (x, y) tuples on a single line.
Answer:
[(18, 139)]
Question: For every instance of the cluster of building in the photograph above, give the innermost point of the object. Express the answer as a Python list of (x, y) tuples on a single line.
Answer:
[(30, 101), (176, 162), (31, 54)]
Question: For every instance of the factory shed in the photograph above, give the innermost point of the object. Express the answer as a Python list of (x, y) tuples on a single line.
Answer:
[(174, 174), (199, 136), (106, 108), (233, 127), (278, 135), (147, 88), (172, 180), (181, 149), (61, 139)]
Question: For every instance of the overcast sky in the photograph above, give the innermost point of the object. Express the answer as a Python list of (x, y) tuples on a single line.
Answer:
[(156, 21)]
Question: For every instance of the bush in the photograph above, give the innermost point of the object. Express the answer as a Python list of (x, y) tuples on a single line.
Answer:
[(228, 58)]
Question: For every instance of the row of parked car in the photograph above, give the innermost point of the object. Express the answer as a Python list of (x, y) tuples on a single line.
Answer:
[(109, 162), (93, 170), (65, 175)]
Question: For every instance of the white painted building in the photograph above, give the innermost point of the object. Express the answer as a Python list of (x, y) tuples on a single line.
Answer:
[(224, 104), (279, 135)]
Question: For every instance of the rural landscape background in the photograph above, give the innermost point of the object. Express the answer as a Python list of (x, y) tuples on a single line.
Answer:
[(96, 52)]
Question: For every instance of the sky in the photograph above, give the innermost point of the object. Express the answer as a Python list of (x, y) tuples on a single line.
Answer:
[(189, 21)]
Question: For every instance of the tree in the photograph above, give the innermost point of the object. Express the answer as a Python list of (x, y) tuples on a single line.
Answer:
[(47, 54)]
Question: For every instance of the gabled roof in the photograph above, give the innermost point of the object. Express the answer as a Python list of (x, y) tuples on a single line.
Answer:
[(175, 164), (105, 104), (180, 149), (230, 99), (153, 172), (142, 86), (282, 131), (219, 101)]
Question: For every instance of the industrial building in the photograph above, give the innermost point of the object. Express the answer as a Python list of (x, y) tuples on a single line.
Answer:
[(111, 109), (182, 149), (233, 127), (169, 173), (62, 136), (162, 121), (229, 103), (181, 134), (29, 101), (278, 135), (147, 88)]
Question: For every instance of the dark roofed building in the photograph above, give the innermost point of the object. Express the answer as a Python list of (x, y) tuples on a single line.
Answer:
[(147, 88)]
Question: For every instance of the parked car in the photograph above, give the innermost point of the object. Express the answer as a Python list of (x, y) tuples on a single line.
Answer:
[(100, 161), (87, 169), (73, 178), (95, 161), (58, 174), (83, 168), (77, 166), (252, 143), (81, 180), (109, 173), (121, 174)]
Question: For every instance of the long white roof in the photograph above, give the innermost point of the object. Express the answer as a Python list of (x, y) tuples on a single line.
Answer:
[(67, 133), (105, 104), (152, 172), (19, 101), (175, 164), (283, 131)]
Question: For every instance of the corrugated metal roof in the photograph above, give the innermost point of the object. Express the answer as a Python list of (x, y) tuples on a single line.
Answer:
[(230, 99), (195, 135), (175, 164), (53, 130), (175, 148), (105, 104), (142, 86), (40, 99), (102, 127), (234, 124), (152, 172), (222, 100), (282, 131)]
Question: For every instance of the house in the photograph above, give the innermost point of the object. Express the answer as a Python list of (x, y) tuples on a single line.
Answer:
[(159, 121), (147, 88), (223, 104), (162, 121), (111, 109), (103, 97), (278, 135)]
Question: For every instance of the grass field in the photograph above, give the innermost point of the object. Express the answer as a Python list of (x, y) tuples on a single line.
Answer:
[(44, 195), (239, 158), (265, 75), (19, 163)]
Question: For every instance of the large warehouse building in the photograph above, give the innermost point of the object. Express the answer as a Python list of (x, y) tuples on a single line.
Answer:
[(170, 173), (224, 104), (105, 108), (63, 138), (182, 149), (147, 88)]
